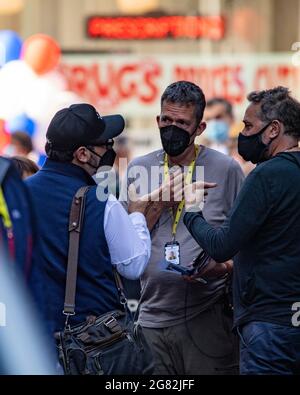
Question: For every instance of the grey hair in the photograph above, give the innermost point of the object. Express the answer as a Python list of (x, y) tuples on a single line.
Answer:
[(277, 104), (186, 93)]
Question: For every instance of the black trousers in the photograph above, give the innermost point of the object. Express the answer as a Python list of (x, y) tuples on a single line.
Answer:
[(204, 345)]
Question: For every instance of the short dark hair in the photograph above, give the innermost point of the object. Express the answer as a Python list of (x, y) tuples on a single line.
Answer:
[(277, 104), (23, 139), (24, 164), (58, 156), (186, 93), (220, 100)]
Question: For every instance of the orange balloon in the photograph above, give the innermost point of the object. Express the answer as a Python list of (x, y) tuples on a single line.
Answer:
[(41, 53), (4, 136)]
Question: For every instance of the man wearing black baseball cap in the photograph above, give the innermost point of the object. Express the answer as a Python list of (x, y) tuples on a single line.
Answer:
[(80, 133), (79, 141)]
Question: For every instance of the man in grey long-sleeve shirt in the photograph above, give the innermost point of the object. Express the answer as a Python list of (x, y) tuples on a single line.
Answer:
[(185, 322)]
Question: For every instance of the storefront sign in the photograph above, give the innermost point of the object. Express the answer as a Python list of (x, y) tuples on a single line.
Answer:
[(133, 85)]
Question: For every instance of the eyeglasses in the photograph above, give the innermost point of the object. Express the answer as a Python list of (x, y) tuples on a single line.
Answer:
[(108, 144)]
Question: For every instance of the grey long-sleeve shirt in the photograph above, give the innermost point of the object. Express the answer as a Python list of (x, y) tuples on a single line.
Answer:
[(166, 299)]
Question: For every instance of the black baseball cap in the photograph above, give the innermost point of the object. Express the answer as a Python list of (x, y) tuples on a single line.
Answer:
[(81, 125)]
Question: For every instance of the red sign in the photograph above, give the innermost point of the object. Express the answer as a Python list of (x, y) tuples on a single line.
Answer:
[(132, 85), (113, 84), (144, 28)]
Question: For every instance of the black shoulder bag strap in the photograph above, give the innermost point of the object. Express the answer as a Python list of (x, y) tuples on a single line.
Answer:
[(75, 227)]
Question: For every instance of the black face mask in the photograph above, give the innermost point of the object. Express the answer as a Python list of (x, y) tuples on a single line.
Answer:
[(175, 140), (107, 160), (251, 148)]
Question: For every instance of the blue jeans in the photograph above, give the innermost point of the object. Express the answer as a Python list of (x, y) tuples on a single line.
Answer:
[(267, 348)]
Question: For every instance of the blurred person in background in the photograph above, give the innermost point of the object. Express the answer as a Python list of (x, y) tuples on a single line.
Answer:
[(24, 349), (219, 118), (23, 346), (25, 166), (123, 153), (222, 130), (20, 145), (16, 219)]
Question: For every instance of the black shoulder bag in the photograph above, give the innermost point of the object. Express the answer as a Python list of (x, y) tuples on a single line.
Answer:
[(110, 344)]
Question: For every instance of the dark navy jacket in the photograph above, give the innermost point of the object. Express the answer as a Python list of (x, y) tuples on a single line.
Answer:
[(263, 229), (52, 190), (18, 203)]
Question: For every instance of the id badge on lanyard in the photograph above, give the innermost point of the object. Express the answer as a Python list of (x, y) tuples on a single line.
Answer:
[(172, 249), (172, 252)]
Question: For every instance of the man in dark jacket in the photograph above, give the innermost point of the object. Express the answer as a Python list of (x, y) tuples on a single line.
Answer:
[(263, 231), (16, 220), (20, 333), (79, 143)]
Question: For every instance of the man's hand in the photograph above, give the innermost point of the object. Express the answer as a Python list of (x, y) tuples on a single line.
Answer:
[(212, 270), (137, 204), (194, 195), (170, 193)]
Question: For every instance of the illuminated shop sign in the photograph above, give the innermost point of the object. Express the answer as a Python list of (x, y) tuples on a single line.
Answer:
[(155, 28)]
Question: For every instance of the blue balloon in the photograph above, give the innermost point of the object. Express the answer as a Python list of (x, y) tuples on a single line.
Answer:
[(10, 46), (21, 123)]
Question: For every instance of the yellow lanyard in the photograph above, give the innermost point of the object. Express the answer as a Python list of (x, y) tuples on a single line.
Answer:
[(4, 213), (188, 180)]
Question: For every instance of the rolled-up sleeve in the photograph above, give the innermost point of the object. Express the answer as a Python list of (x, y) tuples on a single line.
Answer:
[(128, 239)]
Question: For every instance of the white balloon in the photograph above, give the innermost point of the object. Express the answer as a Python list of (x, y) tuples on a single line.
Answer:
[(40, 97), (47, 94), (59, 101), (57, 79), (16, 79), (66, 99)]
